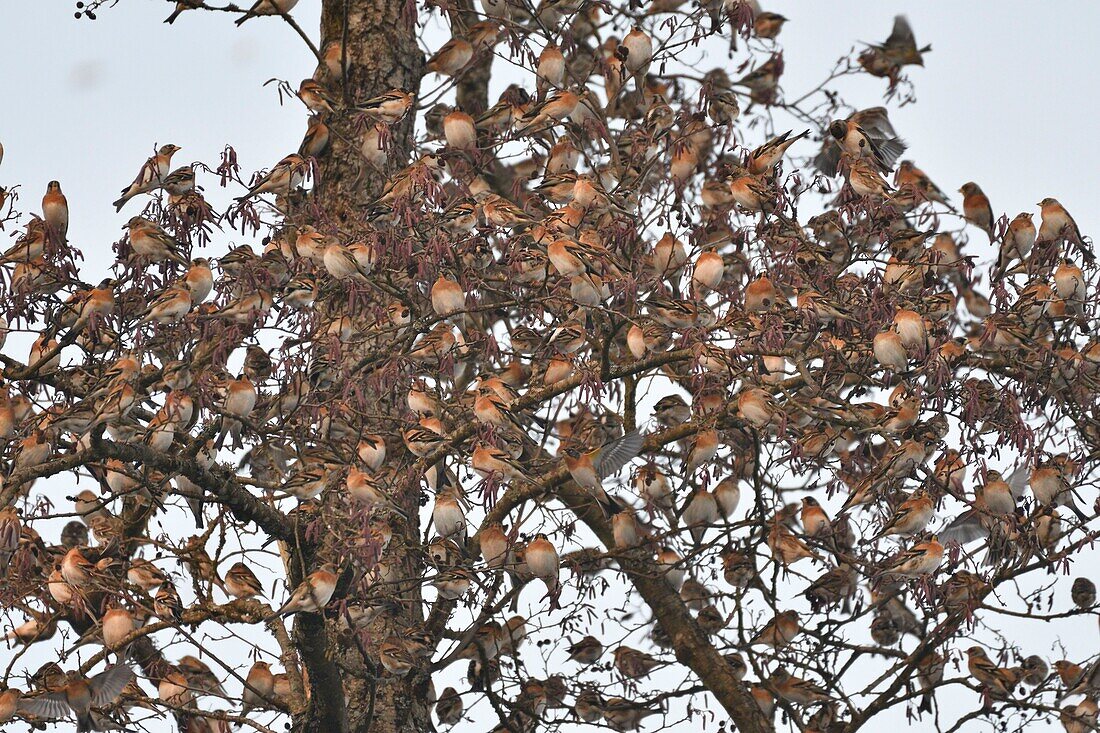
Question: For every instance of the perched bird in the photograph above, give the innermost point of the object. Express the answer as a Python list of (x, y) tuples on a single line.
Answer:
[(780, 631), (764, 158), (1057, 224), (999, 682), (258, 688), (55, 211), (815, 521), (542, 560), (241, 582), (267, 7), (451, 58), (148, 239), (911, 516), (976, 208), (796, 689), (1017, 242), (633, 663), (313, 593), (388, 108), (151, 176), (286, 175), (1083, 592), (922, 558), (586, 651), (449, 707)]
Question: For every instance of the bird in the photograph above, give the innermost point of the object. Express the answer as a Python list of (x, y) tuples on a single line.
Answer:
[(589, 468), (637, 52), (315, 97), (449, 707), (55, 211), (151, 175), (796, 689), (897, 51), (751, 192), (1017, 242), (79, 695), (865, 133), (976, 208), (388, 108), (148, 239), (1083, 593), (241, 582), (868, 134), (313, 593), (921, 559), (542, 560), (865, 179), (267, 7), (910, 518), (780, 631), (285, 176), (550, 72), (764, 158), (450, 58), (815, 522), (999, 682), (258, 688), (1057, 223), (586, 651), (634, 664)]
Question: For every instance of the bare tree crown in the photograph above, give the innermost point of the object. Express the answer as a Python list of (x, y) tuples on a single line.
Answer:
[(553, 410)]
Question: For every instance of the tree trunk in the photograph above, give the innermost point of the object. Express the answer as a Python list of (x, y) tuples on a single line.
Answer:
[(380, 53)]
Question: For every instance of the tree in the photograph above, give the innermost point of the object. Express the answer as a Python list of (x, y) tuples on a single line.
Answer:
[(494, 387)]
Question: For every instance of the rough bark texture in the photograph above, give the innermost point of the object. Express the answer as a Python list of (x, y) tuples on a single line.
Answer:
[(380, 53)]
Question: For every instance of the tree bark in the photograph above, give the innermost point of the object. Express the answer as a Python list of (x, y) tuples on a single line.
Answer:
[(350, 692)]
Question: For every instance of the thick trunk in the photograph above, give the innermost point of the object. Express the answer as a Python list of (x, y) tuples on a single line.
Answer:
[(380, 53)]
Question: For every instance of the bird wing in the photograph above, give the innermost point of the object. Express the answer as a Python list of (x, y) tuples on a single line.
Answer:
[(901, 35), (829, 158), (888, 149), (618, 453), (52, 705), (1018, 481), (964, 529), (108, 685), (876, 121)]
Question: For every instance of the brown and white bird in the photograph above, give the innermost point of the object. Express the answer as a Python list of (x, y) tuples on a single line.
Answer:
[(55, 211), (79, 695), (999, 682), (151, 176), (148, 239), (451, 58), (267, 7), (976, 208), (313, 593), (241, 582), (780, 631), (542, 560)]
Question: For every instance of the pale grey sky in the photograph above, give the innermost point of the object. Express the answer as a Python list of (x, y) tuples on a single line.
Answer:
[(1007, 99)]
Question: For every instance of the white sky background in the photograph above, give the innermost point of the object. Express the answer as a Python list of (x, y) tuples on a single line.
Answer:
[(1007, 99)]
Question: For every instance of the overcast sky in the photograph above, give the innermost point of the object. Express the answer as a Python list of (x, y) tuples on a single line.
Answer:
[(1007, 99)]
